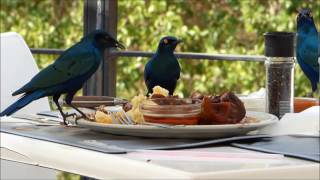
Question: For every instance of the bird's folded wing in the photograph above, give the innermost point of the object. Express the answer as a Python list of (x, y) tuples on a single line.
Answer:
[(69, 66), (308, 53), (313, 50)]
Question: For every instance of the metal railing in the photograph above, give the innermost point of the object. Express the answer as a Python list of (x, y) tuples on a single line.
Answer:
[(203, 56), (95, 87)]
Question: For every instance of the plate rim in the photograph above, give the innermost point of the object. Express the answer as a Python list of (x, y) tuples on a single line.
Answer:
[(272, 119)]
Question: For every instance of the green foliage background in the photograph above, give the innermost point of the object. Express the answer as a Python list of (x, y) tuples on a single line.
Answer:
[(209, 26)]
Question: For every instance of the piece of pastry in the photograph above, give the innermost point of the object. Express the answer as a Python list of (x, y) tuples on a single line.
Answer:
[(224, 109), (102, 117), (158, 90), (135, 113)]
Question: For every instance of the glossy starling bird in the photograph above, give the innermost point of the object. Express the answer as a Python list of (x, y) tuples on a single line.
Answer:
[(67, 74), (308, 47), (163, 68)]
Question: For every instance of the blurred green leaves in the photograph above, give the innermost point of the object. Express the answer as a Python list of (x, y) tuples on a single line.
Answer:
[(210, 26), (43, 23)]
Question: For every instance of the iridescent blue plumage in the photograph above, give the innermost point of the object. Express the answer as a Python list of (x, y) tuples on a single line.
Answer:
[(308, 47), (67, 74), (163, 68)]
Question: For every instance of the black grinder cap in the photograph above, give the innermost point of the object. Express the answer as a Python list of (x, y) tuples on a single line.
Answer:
[(279, 44)]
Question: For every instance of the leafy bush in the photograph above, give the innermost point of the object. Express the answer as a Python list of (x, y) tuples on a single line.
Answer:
[(207, 26)]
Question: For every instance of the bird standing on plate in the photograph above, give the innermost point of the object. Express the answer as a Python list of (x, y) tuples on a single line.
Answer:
[(67, 74), (163, 68), (308, 47)]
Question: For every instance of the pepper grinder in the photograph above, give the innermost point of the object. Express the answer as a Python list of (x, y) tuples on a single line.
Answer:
[(279, 63)]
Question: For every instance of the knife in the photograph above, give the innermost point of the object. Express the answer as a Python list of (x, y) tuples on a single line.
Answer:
[(37, 118), (89, 102)]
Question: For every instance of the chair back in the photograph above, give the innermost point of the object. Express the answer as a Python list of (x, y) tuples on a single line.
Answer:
[(17, 67)]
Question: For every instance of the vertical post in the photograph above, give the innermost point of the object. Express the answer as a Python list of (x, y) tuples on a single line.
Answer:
[(110, 62), (101, 14)]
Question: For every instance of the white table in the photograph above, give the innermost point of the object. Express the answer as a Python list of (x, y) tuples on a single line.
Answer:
[(200, 163)]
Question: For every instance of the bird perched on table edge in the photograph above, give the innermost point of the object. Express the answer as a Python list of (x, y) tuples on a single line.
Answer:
[(163, 68), (308, 46), (67, 74)]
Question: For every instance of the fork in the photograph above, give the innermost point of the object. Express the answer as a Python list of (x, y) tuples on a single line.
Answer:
[(119, 116), (37, 119)]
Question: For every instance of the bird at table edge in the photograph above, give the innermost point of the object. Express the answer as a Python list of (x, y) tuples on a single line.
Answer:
[(67, 74), (308, 47), (163, 68)]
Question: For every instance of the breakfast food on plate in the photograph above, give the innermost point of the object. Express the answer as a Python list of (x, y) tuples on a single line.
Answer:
[(224, 109), (127, 106), (199, 109), (159, 92), (168, 110), (247, 120), (102, 117), (161, 108), (197, 95), (135, 113)]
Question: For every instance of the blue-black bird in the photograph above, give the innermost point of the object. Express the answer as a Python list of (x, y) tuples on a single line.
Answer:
[(163, 68), (67, 74), (308, 47)]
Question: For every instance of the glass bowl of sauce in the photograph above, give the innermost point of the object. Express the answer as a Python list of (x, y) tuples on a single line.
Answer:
[(174, 111)]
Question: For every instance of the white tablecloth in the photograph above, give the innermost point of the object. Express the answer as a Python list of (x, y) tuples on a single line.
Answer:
[(200, 163)]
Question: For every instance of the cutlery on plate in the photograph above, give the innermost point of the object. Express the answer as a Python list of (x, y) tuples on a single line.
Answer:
[(119, 116), (37, 118), (95, 101)]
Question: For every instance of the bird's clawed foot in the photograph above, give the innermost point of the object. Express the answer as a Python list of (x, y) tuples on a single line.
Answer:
[(66, 115), (82, 116), (75, 116)]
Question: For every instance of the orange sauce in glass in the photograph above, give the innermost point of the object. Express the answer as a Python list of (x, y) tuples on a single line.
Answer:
[(301, 104), (173, 120)]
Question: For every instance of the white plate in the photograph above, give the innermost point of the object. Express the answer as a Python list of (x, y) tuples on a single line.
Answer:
[(183, 131)]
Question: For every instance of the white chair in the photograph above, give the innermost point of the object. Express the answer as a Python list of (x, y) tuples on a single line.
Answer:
[(17, 68)]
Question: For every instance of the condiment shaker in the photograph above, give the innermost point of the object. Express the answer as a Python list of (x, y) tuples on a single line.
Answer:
[(279, 63)]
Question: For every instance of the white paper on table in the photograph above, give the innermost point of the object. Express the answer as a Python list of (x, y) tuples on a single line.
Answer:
[(305, 122), (182, 155), (202, 161)]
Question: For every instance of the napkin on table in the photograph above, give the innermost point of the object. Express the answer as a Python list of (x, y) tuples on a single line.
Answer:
[(305, 123), (295, 135)]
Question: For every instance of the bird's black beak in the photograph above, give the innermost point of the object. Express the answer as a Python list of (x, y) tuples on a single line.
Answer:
[(119, 45), (178, 41)]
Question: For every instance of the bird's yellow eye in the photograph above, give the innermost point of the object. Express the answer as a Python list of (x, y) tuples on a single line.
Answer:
[(166, 41)]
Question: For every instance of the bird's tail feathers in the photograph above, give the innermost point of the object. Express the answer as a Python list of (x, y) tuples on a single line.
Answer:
[(20, 103), (314, 86), (20, 91)]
